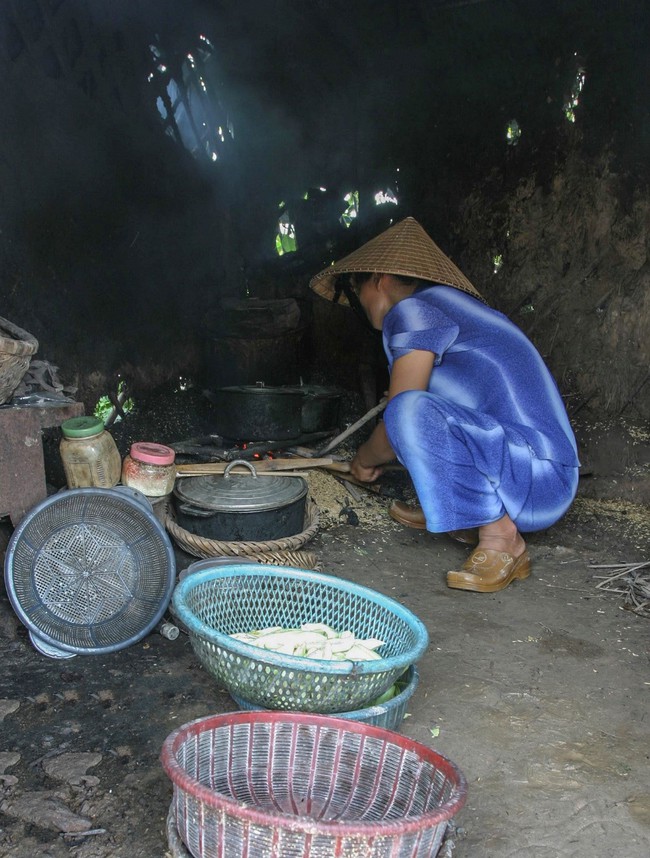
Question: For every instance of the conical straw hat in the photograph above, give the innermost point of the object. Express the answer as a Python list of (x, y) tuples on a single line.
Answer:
[(404, 249)]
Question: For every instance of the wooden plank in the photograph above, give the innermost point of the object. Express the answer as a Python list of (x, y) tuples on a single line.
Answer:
[(261, 465)]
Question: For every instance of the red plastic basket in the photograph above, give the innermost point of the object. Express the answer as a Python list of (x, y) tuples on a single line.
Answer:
[(296, 785)]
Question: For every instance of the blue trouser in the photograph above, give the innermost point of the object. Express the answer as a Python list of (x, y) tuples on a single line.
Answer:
[(469, 470)]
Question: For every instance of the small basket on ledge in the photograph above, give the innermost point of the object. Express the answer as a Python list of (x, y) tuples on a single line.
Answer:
[(16, 350)]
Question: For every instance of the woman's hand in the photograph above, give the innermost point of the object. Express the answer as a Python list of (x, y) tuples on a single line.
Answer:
[(364, 473), (410, 372), (366, 465)]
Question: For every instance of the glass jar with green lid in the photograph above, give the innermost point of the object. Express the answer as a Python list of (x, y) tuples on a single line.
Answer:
[(89, 454)]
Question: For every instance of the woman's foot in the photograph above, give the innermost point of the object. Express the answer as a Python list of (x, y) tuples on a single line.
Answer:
[(498, 559), (487, 570), (411, 516), (467, 537), (501, 535)]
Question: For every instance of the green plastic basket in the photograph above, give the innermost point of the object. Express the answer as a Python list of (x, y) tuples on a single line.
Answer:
[(215, 603)]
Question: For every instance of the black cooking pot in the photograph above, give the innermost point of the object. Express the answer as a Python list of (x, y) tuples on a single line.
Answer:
[(241, 507), (321, 407), (257, 413)]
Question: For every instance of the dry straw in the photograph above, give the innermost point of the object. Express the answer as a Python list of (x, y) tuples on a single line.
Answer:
[(631, 580)]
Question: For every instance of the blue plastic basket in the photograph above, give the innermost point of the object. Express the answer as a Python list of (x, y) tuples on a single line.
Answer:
[(89, 571), (388, 715), (215, 603)]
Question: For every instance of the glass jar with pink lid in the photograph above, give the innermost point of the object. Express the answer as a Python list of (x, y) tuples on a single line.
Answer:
[(150, 469)]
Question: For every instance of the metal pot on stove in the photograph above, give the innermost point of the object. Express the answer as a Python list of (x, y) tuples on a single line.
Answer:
[(241, 507), (321, 407), (257, 413)]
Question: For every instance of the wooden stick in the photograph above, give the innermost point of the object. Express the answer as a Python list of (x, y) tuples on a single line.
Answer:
[(186, 474), (354, 492), (261, 465), (348, 478), (309, 453), (352, 429)]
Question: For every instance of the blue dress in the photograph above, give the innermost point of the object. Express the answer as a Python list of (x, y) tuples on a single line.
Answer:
[(491, 434)]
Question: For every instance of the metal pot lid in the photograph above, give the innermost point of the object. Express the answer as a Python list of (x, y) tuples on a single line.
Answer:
[(317, 390), (257, 390), (240, 492)]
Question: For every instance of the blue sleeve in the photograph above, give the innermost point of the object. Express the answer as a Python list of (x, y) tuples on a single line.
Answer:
[(415, 324)]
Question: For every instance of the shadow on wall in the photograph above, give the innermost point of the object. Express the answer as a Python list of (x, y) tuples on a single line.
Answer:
[(573, 276), (112, 237), (346, 352), (109, 255)]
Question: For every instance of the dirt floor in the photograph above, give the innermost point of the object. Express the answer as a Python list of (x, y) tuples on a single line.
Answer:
[(538, 693)]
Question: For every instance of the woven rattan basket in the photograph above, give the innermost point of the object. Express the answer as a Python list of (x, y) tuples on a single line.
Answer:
[(16, 350)]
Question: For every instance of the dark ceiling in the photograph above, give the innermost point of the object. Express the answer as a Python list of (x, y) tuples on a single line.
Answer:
[(105, 216), (336, 92)]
